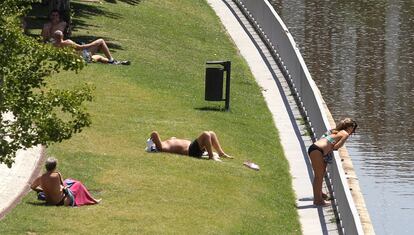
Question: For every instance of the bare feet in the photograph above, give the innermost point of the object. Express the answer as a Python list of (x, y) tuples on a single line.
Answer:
[(216, 158), (224, 155), (326, 197)]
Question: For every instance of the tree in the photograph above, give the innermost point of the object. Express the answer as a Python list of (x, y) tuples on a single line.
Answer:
[(41, 114)]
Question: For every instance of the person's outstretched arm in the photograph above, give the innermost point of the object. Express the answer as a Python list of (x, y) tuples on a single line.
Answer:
[(344, 136), (46, 32), (73, 44)]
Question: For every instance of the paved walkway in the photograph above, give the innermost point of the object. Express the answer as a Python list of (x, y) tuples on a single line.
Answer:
[(285, 115), (14, 182)]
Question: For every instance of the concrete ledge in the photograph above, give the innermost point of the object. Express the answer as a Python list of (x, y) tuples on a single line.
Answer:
[(353, 183), (15, 181)]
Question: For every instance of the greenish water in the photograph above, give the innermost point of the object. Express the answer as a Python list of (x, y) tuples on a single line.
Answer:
[(361, 56)]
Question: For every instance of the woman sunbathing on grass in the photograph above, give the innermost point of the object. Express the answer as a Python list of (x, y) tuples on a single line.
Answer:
[(205, 142), (58, 192)]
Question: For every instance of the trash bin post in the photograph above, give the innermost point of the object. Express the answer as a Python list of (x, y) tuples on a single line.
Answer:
[(227, 67)]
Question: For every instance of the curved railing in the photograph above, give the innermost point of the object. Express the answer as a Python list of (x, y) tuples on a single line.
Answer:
[(272, 29)]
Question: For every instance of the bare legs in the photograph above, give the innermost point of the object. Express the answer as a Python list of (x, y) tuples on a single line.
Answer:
[(99, 58), (97, 45), (319, 169), (209, 140), (155, 137)]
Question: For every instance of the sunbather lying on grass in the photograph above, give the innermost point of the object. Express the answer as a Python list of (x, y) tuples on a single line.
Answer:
[(205, 142), (90, 50)]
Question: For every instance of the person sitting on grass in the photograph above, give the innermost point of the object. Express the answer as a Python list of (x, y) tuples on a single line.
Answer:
[(88, 50), (205, 142), (58, 192), (54, 24)]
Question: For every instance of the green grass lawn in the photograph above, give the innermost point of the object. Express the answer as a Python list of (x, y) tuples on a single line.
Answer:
[(168, 43)]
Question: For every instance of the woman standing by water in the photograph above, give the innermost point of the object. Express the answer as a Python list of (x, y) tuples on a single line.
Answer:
[(320, 155)]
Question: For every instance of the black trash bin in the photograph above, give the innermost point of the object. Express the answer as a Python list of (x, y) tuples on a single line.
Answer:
[(214, 84)]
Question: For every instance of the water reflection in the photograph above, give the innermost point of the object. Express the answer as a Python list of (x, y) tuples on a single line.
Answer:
[(361, 55)]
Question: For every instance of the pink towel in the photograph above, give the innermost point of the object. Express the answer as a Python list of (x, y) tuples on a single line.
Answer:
[(81, 194)]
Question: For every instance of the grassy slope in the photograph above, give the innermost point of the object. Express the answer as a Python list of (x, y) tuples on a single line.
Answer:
[(168, 42)]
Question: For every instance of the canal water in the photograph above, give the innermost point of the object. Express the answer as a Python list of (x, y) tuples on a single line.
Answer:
[(361, 55)]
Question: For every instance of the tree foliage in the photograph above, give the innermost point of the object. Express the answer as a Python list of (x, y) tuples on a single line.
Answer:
[(40, 114)]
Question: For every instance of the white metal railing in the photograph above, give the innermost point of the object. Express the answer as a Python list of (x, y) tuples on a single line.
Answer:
[(278, 38)]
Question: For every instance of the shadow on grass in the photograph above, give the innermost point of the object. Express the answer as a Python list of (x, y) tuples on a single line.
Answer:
[(38, 16), (130, 2), (39, 203), (84, 11), (207, 108)]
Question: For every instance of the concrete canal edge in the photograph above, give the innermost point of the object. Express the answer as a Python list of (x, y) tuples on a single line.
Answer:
[(284, 49), (353, 183)]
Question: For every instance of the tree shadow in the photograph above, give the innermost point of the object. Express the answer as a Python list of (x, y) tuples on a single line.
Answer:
[(83, 11), (37, 16), (130, 2)]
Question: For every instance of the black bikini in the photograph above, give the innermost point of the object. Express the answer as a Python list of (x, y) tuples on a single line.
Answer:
[(327, 158)]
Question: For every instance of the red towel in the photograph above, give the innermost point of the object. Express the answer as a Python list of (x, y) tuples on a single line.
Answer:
[(80, 192)]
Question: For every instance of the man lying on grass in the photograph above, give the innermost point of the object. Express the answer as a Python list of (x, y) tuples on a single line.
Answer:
[(205, 142), (58, 192), (89, 50)]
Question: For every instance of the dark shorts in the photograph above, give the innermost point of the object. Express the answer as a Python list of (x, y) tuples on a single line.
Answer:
[(69, 194), (327, 158), (194, 149), (62, 202)]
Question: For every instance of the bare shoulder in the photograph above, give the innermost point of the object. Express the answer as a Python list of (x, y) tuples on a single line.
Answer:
[(38, 180), (47, 25), (68, 42), (343, 133), (62, 24)]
